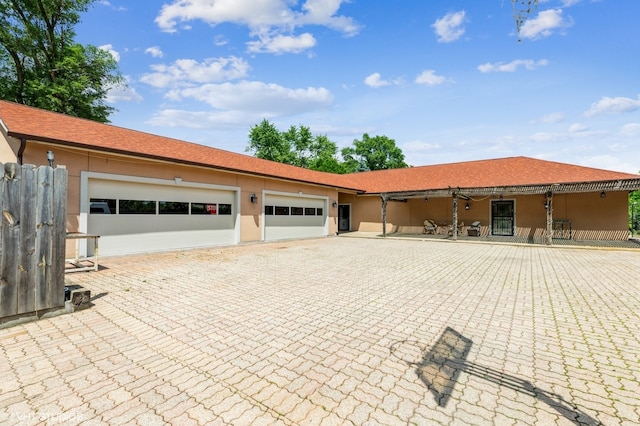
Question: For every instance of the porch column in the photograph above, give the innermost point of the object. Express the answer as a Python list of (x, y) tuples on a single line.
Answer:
[(455, 217), (384, 216), (549, 205)]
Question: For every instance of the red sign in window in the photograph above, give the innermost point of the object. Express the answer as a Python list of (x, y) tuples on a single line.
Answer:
[(211, 208)]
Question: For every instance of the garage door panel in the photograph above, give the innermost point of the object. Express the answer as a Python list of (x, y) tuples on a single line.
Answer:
[(135, 233), (139, 224), (288, 226), (162, 241), (100, 188)]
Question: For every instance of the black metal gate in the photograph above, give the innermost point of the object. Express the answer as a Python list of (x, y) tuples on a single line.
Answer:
[(502, 215)]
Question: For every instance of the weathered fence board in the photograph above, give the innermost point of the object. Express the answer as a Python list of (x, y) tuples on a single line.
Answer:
[(26, 261), (32, 238)]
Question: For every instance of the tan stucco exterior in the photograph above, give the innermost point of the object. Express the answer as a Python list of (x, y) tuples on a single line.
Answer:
[(77, 161), (592, 216)]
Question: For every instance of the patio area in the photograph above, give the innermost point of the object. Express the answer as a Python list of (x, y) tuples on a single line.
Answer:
[(631, 243), (336, 331)]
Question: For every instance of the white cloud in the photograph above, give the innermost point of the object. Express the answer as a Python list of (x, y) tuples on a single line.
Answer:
[(429, 78), (577, 128), (554, 117), (188, 71), (123, 92), (512, 66), (375, 80), (108, 4), (418, 146), (257, 97), (154, 51), (608, 162), (450, 27), (544, 24), (608, 105), (109, 48), (276, 18), (282, 44), (630, 130)]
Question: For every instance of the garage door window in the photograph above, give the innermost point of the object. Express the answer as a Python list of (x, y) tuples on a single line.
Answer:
[(173, 207), (204, 208), (293, 211), (224, 209), (137, 207), (102, 206)]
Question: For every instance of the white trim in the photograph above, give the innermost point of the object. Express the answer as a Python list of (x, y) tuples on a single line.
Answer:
[(84, 196)]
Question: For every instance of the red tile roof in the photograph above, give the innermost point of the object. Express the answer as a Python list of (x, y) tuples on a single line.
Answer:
[(36, 124)]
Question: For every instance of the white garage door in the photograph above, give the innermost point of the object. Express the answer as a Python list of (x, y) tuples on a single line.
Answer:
[(135, 217), (294, 217)]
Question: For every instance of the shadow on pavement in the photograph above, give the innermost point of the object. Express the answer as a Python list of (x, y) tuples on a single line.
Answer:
[(440, 366)]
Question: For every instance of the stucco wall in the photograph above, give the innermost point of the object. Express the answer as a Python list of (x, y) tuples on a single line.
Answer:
[(591, 216), (77, 161)]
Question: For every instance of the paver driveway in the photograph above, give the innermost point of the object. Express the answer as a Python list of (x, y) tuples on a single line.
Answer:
[(338, 331)]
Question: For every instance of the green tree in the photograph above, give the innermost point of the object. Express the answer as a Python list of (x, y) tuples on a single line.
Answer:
[(373, 153), (634, 211), (296, 146), (41, 65), (266, 142)]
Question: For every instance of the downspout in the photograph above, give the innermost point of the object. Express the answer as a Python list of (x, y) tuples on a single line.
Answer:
[(23, 146)]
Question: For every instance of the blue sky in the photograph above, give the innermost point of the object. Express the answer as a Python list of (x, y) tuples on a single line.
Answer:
[(447, 80)]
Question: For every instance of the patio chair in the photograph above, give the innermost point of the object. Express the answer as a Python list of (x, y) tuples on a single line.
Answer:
[(430, 227), (474, 229), (460, 228)]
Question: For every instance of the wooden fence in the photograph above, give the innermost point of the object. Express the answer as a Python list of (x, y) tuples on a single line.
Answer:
[(33, 201)]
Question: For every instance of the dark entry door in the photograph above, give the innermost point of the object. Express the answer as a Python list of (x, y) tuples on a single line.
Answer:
[(344, 215), (502, 215)]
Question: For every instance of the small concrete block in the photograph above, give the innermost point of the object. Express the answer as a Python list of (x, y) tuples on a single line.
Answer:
[(78, 300)]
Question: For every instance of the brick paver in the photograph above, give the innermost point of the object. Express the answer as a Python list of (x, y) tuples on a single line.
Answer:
[(338, 331)]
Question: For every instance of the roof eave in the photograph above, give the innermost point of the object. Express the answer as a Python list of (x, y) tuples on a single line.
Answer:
[(171, 160)]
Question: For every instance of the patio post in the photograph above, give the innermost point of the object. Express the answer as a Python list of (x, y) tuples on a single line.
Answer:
[(549, 205), (384, 216), (455, 216)]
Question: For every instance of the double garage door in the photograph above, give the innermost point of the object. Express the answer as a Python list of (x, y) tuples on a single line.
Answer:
[(133, 217), (287, 217)]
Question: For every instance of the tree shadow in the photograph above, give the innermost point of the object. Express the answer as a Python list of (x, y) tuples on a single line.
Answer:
[(440, 366)]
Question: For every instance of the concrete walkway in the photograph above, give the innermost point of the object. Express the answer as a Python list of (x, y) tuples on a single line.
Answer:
[(338, 331)]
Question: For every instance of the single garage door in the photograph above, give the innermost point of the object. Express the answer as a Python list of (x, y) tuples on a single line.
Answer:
[(288, 217), (135, 217)]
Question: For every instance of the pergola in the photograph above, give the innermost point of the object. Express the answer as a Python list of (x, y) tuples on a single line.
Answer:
[(541, 189)]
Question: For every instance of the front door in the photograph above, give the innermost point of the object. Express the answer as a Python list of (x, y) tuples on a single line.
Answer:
[(502, 217), (344, 217)]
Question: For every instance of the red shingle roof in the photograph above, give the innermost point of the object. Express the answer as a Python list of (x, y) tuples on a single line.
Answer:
[(36, 124), (512, 171)]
